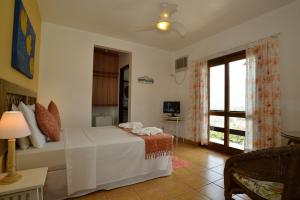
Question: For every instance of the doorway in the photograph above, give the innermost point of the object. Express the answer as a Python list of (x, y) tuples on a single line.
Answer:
[(107, 69), (124, 94), (227, 87)]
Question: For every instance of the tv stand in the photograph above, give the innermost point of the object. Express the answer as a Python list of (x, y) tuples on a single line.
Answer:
[(177, 120)]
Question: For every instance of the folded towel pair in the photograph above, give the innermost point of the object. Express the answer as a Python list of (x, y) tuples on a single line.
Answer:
[(147, 131), (131, 125)]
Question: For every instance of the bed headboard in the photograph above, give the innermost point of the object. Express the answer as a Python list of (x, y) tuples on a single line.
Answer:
[(11, 94)]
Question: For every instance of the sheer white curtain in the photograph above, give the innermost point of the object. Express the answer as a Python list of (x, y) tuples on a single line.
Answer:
[(263, 124), (199, 101)]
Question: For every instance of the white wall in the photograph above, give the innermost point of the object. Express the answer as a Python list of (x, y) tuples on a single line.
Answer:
[(67, 62), (284, 20), (66, 74), (124, 59)]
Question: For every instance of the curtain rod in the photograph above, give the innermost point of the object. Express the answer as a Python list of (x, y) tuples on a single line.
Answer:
[(239, 48)]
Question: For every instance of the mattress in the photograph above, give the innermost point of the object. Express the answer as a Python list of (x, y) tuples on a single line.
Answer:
[(52, 155)]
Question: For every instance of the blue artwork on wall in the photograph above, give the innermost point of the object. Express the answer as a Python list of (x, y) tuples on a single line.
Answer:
[(23, 46)]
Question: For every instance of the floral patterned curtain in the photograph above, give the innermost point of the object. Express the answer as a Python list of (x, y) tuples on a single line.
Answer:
[(263, 113), (199, 101)]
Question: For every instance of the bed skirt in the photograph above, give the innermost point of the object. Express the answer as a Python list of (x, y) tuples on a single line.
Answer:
[(56, 183)]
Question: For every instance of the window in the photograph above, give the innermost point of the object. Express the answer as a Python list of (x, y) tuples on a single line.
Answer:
[(227, 87)]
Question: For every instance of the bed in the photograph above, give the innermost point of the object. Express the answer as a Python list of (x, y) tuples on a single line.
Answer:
[(86, 159), (120, 160)]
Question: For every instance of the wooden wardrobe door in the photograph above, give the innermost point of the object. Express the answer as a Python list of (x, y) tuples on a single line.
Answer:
[(105, 83)]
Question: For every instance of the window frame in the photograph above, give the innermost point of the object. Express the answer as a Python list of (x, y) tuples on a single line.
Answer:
[(225, 60)]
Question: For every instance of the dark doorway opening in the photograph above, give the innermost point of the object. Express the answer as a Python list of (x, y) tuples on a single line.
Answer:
[(124, 94)]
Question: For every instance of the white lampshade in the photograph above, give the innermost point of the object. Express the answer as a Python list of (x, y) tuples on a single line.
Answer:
[(13, 125)]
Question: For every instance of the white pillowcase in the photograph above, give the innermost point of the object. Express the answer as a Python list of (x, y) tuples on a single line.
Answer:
[(32, 107), (14, 108), (24, 142), (37, 138)]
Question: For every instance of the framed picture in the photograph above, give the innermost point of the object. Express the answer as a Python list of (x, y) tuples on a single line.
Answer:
[(23, 44)]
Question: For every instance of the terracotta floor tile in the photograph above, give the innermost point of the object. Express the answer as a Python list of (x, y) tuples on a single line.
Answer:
[(122, 194), (147, 184), (196, 168), (193, 195), (152, 193), (213, 192), (94, 196), (210, 175), (219, 183), (174, 188), (216, 158), (207, 164), (218, 169), (195, 182)]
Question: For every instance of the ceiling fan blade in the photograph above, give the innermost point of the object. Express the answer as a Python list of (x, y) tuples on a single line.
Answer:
[(169, 8), (146, 28), (179, 28)]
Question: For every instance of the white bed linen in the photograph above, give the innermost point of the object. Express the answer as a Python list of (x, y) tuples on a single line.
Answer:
[(119, 156), (80, 160), (52, 155), (114, 144)]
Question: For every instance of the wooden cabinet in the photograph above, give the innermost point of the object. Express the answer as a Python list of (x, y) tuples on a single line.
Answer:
[(105, 79)]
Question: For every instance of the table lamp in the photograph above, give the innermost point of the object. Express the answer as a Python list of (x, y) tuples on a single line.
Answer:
[(12, 126)]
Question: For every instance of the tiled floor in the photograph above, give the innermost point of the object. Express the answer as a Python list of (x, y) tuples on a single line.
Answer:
[(203, 180)]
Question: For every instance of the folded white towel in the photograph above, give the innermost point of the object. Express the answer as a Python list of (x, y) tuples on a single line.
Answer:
[(133, 125), (147, 131)]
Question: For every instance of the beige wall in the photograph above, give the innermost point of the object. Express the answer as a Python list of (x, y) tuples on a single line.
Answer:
[(6, 23), (285, 21)]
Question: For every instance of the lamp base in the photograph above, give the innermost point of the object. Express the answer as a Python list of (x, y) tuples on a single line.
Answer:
[(6, 180)]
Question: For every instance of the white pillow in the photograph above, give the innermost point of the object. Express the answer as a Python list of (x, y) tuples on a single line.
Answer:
[(37, 138), (14, 108), (24, 142), (32, 107)]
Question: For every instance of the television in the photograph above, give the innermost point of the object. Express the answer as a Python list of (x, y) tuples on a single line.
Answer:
[(171, 107)]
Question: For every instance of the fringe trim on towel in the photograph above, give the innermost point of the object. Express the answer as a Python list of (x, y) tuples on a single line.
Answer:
[(156, 145), (157, 154)]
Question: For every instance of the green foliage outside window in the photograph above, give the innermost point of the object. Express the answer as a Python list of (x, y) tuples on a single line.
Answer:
[(232, 138)]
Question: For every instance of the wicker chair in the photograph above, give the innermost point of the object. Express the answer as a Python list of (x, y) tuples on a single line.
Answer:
[(280, 165)]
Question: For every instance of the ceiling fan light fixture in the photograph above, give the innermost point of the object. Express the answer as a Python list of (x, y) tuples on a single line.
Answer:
[(164, 15), (163, 25)]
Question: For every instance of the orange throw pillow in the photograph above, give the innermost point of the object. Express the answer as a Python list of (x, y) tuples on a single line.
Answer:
[(46, 122), (54, 111)]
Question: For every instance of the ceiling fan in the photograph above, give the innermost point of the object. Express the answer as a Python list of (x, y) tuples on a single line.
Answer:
[(165, 23)]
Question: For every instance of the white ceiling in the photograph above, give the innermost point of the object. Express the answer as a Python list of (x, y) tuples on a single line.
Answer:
[(121, 18)]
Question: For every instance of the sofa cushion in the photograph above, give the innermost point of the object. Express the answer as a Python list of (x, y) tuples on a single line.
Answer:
[(265, 189)]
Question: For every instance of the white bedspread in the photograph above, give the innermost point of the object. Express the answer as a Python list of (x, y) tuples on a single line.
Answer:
[(80, 161), (108, 157)]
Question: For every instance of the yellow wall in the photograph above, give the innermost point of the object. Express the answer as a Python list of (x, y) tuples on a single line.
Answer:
[(6, 29)]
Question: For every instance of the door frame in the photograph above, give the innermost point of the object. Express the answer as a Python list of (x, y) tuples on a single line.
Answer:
[(226, 113), (121, 84)]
